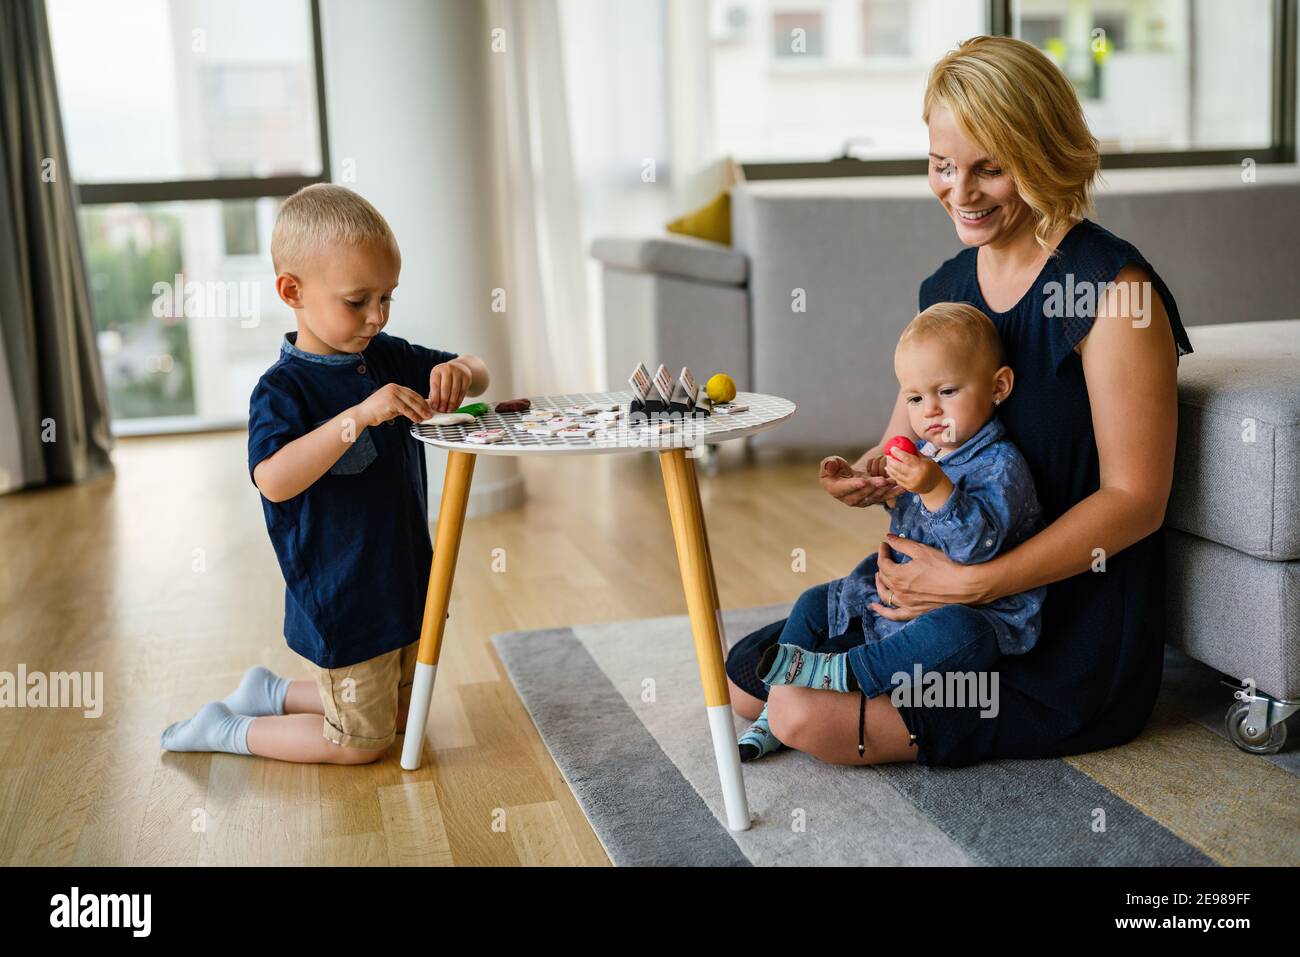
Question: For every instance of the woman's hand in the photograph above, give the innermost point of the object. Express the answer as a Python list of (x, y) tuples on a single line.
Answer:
[(930, 580), (856, 487)]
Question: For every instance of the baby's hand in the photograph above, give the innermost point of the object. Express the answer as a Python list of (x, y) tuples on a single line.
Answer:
[(916, 473), (876, 465), (448, 384)]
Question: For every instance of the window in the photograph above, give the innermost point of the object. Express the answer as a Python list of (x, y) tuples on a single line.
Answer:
[(1203, 69), (886, 28), (1163, 82), (797, 34), (858, 88), (187, 121)]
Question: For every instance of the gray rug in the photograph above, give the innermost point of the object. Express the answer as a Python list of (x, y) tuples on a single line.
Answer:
[(621, 710)]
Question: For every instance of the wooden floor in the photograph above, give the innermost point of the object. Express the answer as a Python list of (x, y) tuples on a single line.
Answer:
[(163, 578)]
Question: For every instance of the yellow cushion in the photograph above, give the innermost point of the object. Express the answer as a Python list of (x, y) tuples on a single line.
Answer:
[(711, 221)]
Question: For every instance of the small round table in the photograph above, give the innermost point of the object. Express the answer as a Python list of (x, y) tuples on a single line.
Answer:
[(684, 510)]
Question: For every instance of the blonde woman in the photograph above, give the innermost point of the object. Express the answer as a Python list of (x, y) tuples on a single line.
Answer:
[(1094, 337)]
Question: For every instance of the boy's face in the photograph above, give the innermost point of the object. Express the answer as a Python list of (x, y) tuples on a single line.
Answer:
[(949, 392), (341, 297)]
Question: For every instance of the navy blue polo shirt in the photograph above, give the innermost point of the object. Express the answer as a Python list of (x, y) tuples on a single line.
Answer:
[(354, 547)]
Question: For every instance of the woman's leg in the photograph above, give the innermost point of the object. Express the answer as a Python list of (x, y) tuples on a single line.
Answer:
[(825, 725), (807, 627), (949, 639)]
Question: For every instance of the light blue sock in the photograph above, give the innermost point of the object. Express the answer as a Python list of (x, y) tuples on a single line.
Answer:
[(262, 692), (214, 728), (758, 740), (792, 665)]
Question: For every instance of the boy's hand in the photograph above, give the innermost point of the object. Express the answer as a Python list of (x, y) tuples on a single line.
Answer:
[(916, 473), (448, 384), (390, 401)]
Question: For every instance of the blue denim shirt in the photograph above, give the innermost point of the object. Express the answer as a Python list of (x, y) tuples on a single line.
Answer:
[(993, 507)]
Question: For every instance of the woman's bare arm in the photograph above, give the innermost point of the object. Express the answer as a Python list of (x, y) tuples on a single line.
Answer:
[(1131, 367), (899, 424), (1130, 363)]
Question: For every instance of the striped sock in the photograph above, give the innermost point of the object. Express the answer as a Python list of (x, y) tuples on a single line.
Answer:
[(792, 665), (758, 740)]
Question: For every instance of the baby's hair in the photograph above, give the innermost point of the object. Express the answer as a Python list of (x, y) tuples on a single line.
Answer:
[(960, 322), (323, 215)]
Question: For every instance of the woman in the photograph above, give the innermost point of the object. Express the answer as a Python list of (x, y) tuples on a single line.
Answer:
[(1094, 411)]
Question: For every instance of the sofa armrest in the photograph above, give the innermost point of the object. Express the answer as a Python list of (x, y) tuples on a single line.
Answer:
[(674, 255)]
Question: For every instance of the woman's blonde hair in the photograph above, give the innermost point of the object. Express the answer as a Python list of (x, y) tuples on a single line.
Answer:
[(1008, 98), (959, 324)]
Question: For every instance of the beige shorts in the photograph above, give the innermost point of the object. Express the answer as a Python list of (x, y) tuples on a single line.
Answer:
[(362, 701)]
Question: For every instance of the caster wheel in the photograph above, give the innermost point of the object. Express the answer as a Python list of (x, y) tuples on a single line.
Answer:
[(1263, 741)]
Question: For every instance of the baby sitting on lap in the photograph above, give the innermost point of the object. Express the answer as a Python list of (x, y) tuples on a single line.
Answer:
[(968, 493)]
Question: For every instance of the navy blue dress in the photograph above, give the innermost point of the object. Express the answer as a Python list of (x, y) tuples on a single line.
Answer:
[(1091, 681)]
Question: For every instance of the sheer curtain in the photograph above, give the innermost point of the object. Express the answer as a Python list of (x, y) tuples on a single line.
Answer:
[(595, 137), (553, 348)]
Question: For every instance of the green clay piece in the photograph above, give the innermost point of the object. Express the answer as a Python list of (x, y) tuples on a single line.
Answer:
[(476, 408)]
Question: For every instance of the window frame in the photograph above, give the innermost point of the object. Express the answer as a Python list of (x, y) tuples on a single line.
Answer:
[(220, 188), (1281, 148), (226, 188)]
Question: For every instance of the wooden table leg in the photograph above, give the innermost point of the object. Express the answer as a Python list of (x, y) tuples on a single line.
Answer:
[(451, 521), (701, 589)]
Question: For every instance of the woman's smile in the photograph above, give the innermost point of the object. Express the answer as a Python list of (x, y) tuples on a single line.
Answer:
[(977, 217)]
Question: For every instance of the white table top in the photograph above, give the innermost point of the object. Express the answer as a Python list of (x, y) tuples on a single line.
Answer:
[(765, 412)]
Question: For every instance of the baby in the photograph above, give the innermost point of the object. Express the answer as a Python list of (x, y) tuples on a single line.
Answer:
[(968, 493), (343, 491)]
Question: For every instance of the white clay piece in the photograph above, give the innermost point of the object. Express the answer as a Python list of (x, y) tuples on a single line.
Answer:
[(450, 418)]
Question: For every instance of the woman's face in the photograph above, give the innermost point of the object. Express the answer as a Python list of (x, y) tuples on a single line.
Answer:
[(979, 195)]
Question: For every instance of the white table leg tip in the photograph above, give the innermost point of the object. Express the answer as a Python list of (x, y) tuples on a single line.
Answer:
[(723, 729), (417, 715)]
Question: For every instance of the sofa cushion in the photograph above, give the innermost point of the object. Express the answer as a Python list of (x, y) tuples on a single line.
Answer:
[(676, 255), (1237, 473)]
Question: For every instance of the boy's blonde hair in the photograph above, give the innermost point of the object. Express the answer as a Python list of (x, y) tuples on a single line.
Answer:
[(1008, 98), (322, 215), (960, 324)]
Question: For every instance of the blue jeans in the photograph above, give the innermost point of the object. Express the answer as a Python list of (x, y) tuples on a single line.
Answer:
[(950, 638)]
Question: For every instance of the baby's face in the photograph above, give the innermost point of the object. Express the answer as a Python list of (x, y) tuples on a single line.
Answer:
[(346, 293), (949, 392)]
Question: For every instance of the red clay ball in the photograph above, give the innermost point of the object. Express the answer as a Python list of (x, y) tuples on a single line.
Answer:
[(900, 442)]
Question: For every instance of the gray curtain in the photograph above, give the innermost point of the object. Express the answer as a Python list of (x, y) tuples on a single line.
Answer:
[(54, 420)]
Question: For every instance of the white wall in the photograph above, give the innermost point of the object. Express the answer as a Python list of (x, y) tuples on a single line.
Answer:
[(408, 128)]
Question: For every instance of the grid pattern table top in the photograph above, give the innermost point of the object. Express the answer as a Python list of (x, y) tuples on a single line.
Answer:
[(620, 435)]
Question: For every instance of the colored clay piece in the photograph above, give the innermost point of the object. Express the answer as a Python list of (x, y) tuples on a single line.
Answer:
[(514, 405), (721, 388), (475, 408), (899, 442), (450, 418)]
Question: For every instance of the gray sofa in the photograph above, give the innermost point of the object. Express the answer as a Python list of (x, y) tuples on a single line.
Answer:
[(852, 254)]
